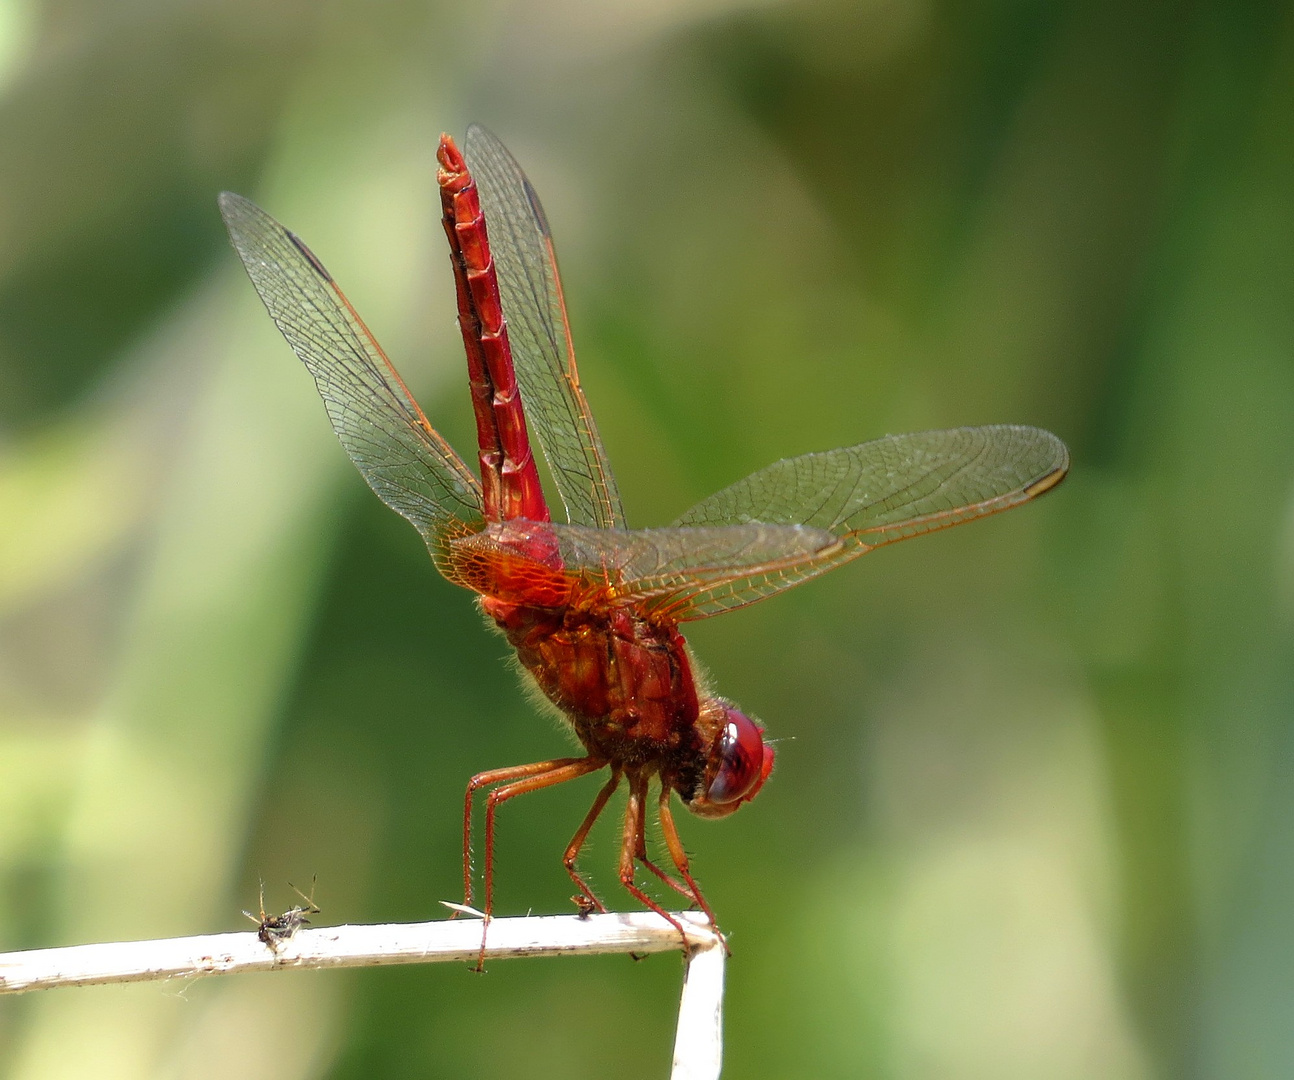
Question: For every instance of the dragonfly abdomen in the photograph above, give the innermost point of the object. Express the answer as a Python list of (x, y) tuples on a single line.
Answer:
[(509, 476)]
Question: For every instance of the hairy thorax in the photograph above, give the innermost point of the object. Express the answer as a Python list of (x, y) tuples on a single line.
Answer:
[(625, 683)]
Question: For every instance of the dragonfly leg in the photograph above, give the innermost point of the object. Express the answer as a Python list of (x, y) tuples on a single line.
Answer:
[(485, 779), (586, 900), (640, 852), (679, 856), (634, 814), (534, 777)]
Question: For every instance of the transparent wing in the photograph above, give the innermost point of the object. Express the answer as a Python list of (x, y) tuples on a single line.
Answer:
[(666, 567), (654, 570), (405, 461), (531, 290), (873, 494)]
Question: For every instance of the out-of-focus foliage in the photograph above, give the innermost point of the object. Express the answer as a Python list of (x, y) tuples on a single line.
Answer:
[(1034, 810)]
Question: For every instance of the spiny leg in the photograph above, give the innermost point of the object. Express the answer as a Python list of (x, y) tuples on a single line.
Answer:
[(634, 812), (590, 902), (679, 856), (640, 851), (496, 776), (563, 771)]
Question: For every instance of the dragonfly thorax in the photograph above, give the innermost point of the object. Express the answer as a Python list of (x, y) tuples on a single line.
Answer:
[(626, 684), (627, 687)]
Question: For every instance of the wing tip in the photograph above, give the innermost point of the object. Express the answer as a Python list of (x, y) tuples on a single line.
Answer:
[(1059, 466), (1046, 482), (234, 207), (1051, 448), (243, 218), (476, 131)]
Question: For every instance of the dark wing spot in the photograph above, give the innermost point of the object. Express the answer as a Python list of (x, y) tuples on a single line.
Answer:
[(311, 258), (535, 208)]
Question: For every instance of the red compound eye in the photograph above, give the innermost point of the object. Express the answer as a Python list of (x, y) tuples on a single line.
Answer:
[(744, 762)]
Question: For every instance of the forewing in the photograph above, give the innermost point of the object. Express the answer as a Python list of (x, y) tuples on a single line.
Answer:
[(877, 493), (405, 461), (662, 571), (531, 291)]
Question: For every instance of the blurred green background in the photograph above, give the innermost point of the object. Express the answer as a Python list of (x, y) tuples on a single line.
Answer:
[(1034, 807)]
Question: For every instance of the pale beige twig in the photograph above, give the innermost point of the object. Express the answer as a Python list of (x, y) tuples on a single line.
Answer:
[(698, 1044)]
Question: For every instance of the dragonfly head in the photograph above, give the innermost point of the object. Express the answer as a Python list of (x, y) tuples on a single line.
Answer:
[(737, 764)]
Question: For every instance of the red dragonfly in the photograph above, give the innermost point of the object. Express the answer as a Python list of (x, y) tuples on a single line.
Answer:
[(592, 607)]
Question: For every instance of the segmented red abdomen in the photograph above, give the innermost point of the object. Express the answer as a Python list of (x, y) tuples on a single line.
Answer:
[(509, 477)]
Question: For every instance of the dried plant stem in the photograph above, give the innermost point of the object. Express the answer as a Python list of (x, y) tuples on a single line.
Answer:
[(697, 1048)]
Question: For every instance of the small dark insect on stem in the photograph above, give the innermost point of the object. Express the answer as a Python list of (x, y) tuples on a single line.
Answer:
[(276, 929)]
